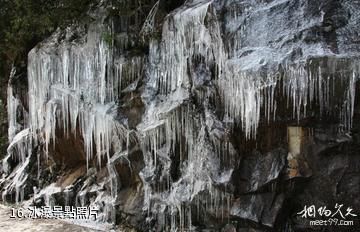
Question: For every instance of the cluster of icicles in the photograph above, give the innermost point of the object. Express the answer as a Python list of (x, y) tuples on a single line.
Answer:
[(20, 147), (246, 98), (75, 87)]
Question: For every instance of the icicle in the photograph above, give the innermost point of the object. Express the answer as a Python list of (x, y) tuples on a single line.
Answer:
[(74, 87), (244, 95), (19, 149), (247, 97), (348, 105), (184, 36), (149, 24), (22, 147), (12, 106)]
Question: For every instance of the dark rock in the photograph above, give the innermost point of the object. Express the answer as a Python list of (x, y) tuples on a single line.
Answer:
[(257, 170), (259, 208)]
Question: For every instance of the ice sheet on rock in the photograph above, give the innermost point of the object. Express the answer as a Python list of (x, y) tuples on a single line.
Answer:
[(16, 181), (113, 174), (19, 150), (219, 137), (48, 194), (103, 202), (20, 146), (268, 18), (159, 108)]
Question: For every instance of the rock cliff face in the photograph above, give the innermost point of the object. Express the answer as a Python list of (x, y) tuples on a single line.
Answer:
[(211, 115)]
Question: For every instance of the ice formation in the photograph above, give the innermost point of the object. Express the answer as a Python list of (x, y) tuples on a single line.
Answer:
[(178, 134), (75, 86), (15, 110), (309, 85), (12, 104), (20, 147), (20, 151), (248, 95), (184, 37), (256, 70), (171, 128), (77, 90)]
